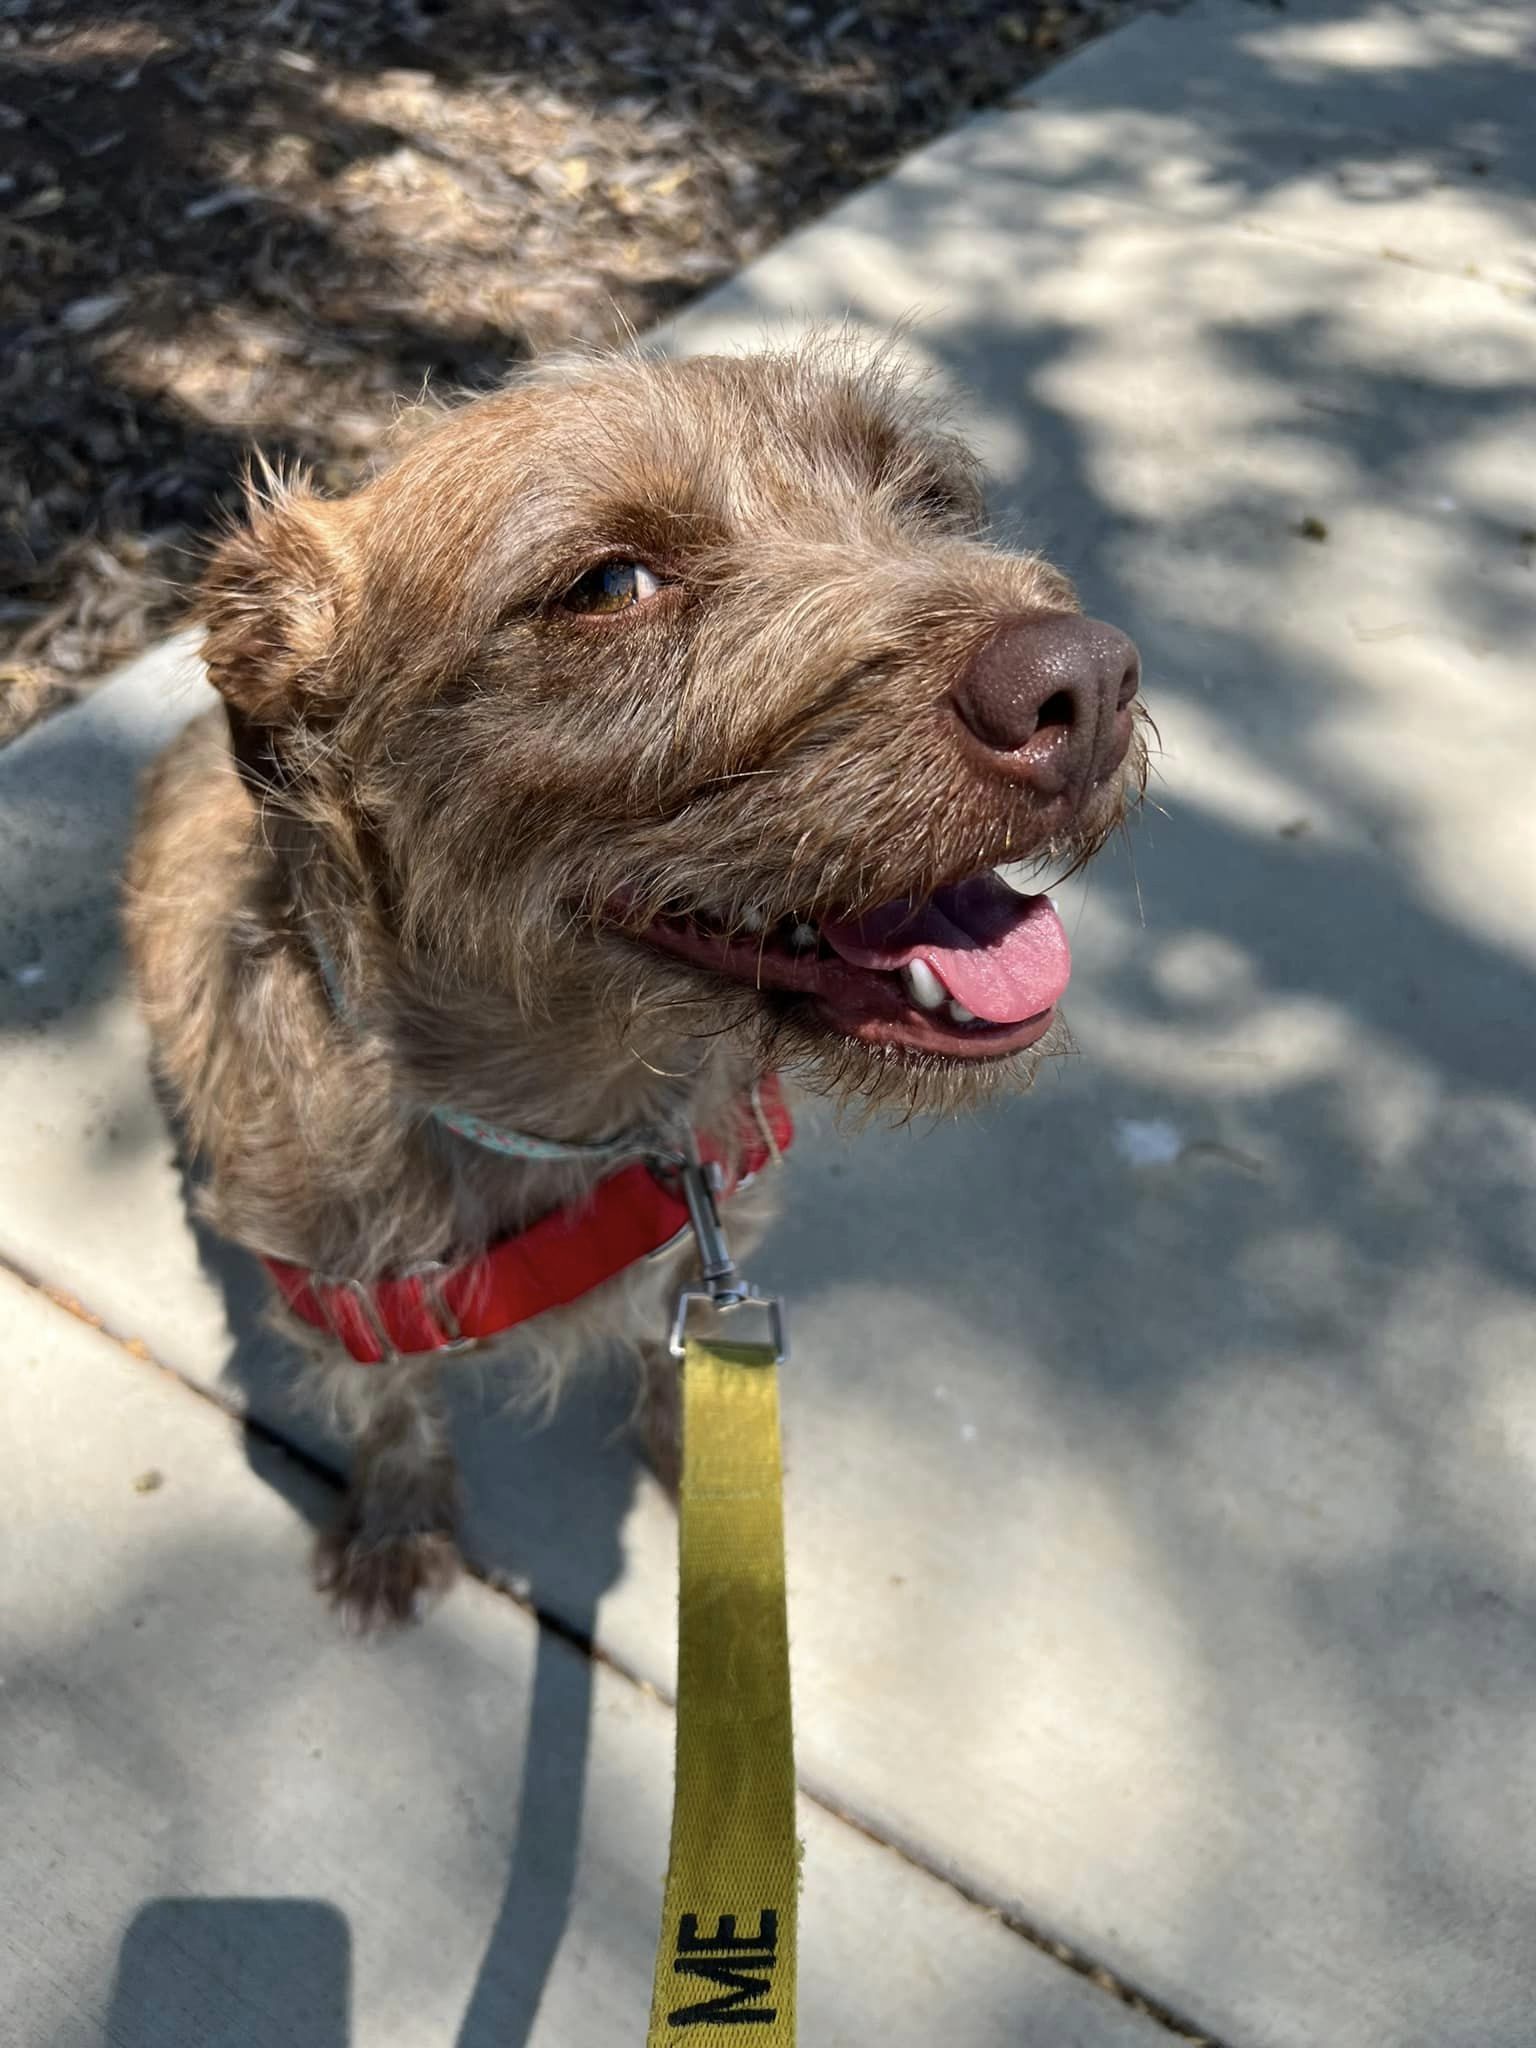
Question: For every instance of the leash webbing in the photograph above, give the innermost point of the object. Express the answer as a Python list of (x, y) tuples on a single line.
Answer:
[(725, 1969)]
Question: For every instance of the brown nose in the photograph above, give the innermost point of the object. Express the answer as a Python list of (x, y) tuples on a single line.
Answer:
[(1049, 699)]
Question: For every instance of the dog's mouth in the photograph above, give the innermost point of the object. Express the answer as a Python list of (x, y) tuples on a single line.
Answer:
[(973, 971)]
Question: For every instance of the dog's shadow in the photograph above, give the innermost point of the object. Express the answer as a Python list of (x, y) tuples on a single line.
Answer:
[(575, 1475)]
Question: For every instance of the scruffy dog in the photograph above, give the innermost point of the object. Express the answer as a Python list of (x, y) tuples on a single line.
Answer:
[(649, 728)]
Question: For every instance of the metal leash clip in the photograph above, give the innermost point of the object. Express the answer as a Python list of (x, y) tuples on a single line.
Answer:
[(724, 1310)]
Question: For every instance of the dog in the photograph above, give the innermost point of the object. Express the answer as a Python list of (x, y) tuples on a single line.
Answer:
[(649, 729)]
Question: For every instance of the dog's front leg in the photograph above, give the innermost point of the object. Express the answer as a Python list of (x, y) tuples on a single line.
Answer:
[(392, 1551)]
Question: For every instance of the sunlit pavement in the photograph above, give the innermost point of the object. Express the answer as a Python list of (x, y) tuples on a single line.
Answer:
[(1162, 1446)]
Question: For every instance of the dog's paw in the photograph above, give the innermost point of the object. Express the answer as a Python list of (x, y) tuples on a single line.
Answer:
[(383, 1582)]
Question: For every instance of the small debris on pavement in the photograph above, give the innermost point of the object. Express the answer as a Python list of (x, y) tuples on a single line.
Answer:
[(1153, 1141)]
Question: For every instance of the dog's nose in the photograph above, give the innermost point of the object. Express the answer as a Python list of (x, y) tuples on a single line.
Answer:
[(1049, 699)]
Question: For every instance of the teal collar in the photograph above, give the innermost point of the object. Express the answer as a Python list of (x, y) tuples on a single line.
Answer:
[(523, 1145), (498, 1138)]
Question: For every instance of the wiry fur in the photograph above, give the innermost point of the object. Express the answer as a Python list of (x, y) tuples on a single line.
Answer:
[(476, 799)]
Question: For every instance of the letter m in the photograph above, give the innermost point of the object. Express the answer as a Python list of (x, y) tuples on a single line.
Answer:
[(735, 2008)]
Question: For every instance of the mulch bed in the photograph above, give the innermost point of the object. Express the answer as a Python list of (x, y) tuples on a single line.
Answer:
[(227, 222)]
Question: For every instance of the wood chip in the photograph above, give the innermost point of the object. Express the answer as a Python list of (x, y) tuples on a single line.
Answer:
[(84, 316)]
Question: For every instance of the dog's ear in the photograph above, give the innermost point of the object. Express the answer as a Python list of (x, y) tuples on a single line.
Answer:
[(270, 598)]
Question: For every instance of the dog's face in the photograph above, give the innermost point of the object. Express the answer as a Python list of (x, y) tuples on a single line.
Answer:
[(691, 694)]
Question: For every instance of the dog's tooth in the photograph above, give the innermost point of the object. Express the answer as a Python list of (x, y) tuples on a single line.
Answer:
[(752, 919), (960, 1013), (923, 985), (803, 936)]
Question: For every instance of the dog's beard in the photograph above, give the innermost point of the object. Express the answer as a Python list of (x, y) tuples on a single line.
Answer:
[(780, 1030), (670, 1019), (894, 1084), (555, 948)]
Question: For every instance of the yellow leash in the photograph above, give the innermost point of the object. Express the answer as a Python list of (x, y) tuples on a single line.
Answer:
[(725, 1967)]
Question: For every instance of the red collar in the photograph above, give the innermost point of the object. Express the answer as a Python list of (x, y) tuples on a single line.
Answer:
[(628, 1215)]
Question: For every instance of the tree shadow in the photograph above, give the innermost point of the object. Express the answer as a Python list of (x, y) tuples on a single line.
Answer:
[(275, 223), (230, 1826), (546, 1505), (181, 1754), (1275, 1366), (575, 1475), (1257, 1361)]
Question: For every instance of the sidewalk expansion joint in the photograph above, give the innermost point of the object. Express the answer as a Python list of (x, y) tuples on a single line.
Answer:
[(333, 1479), (1104, 1979)]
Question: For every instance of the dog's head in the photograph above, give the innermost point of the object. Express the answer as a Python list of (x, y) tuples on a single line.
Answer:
[(692, 695)]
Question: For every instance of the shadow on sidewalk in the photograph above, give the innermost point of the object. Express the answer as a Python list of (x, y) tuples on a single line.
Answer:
[(245, 1973), (1273, 1369), (575, 1475)]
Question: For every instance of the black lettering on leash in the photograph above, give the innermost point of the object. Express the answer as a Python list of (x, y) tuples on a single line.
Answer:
[(729, 1961)]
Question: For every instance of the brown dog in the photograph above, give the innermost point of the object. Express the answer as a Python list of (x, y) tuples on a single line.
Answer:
[(650, 727)]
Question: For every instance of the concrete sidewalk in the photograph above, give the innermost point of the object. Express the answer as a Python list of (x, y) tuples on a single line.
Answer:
[(1162, 1448), (225, 1822)]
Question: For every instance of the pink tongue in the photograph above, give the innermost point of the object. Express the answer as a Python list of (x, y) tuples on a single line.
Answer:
[(1003, 955)]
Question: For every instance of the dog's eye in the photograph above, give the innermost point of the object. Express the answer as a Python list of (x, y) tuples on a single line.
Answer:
[(611, 587)]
